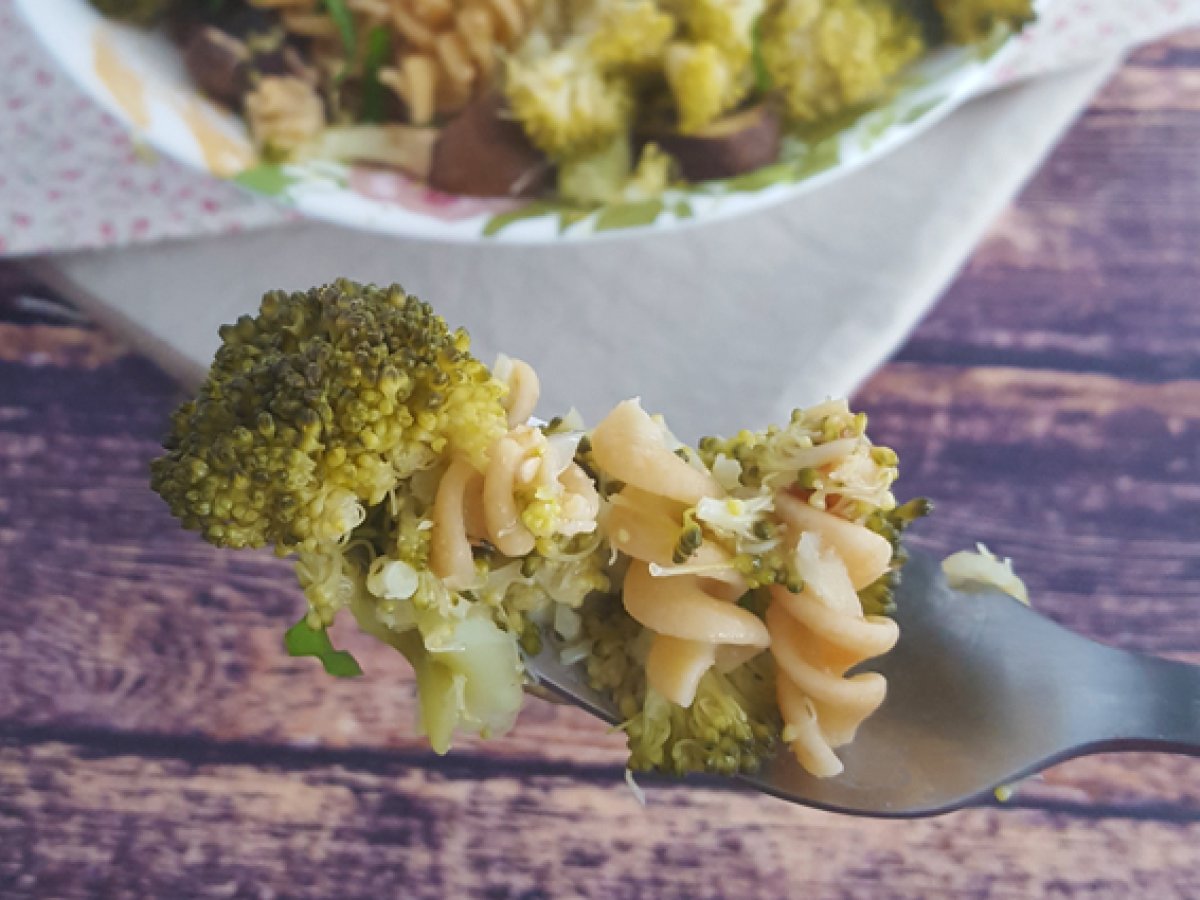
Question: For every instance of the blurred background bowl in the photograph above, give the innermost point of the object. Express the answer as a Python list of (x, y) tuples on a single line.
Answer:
[(139, 77)]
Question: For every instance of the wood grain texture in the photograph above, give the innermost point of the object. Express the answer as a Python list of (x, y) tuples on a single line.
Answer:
[(155, 741), (86, 821), (1096, 268)]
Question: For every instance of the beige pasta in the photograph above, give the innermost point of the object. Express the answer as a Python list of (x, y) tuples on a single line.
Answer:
[(865, 554), (817, 635), (523, 388), (630, 446), (283, 113), (689, 607), (449, 50), (445, 51), (471, 507)]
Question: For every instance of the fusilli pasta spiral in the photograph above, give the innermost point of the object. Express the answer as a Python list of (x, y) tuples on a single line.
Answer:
[(821, 632), (449, 49), (524, 468), (695, 622)]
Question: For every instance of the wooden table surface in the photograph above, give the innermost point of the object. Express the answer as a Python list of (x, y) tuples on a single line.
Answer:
[(156, 742)]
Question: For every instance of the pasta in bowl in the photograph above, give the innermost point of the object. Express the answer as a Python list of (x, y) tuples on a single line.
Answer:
[(719, 595), (527, 120)]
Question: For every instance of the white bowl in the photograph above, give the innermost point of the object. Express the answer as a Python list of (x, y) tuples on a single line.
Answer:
[(139, 77)]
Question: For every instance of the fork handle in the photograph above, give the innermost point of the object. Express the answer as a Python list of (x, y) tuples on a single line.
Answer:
[(1157, 705)]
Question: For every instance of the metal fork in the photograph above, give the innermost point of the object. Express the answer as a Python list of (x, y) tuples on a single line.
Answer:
[(982, 692)]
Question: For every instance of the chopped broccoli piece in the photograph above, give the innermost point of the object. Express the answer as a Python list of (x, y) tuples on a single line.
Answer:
[(731, 726), (822, 449), (879, 597), (629, 35), (599, 176), (828, 57), (322, 403), (605, 175), (972, 21), (568, 104), (705, 83), (729, 24)]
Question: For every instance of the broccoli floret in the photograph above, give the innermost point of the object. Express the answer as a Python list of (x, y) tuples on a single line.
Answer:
[(828, 56), (824, 454), (556, 576), (136, 12), (705, 82), (629, 35), (326, 427), (972, 21), (823, 450), (879, 597), (566, 102), (731, 726), (729, 24), (605, 176), (318, 406)]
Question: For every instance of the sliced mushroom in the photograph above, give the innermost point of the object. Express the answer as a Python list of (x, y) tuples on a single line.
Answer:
[(218, 62), (483, 153), (734, 145)]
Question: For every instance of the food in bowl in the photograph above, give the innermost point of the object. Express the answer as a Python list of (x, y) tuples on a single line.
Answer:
[(588, 101)]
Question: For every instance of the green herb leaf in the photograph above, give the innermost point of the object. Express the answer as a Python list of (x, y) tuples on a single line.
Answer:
[(379, 48), (762, 75), (303, 640), (340, 13)]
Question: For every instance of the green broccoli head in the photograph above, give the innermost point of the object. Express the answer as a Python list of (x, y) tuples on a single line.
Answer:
[(731, 726), (137, 12), (318, 406)]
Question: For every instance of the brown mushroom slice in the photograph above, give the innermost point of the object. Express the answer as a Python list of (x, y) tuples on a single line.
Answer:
[(409, 148), (218, 63), (483, 153), (734, 145)]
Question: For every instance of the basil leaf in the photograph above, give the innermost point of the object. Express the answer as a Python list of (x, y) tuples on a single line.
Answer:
[(303, 640), (379, 48)]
